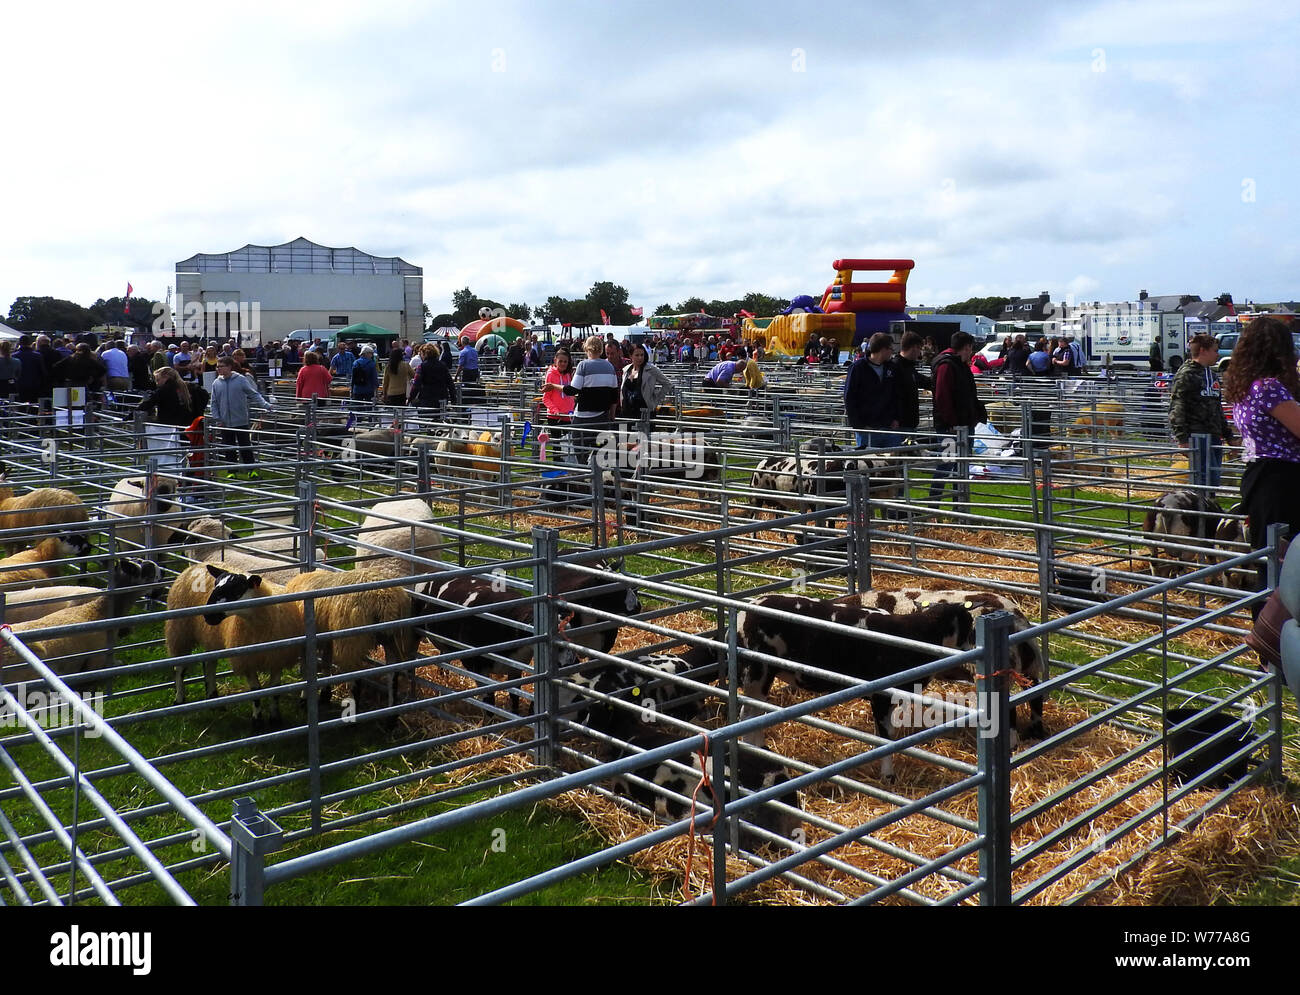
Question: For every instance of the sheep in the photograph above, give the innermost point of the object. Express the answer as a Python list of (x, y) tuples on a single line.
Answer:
[(79, 651), (653, 695), (347, 610), (233, 559), (37, 602), (947, 625), (1192, 519), (480, 630), (1026, 657), (128, 500), (43, 561), (230, 627), (468, 453), (756, 774), (788, 485), (38, 508), (378, 529)]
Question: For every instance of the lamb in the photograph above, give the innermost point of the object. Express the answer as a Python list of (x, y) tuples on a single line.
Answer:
[(129, 500), (42, 562), (236, 560), (38, 508), (415, 538), (947, 625), (228, 627), (480, 630), (82, 650), (756, 774), (654, 695), (1026, 657)]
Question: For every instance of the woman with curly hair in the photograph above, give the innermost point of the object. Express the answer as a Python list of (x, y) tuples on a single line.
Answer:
[(1262, 385)]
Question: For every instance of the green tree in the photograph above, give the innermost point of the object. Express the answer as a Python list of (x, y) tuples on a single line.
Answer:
[(990, 307), (114, 311), (612, 299), (467, 305), (761, 305), (690, 305), (49, 314), (521, 312), (663, 309)]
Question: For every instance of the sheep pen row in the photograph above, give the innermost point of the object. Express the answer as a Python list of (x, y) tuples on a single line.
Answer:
[(451, 742)]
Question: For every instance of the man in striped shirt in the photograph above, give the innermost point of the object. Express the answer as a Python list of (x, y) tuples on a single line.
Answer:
[(595, 384)]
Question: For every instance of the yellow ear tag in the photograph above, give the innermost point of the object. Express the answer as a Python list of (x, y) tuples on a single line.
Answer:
[(968, 605), (636, 692), (925, 604)]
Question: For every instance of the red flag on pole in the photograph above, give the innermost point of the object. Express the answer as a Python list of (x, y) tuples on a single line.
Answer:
[(604, 317), (636, 312), (126, 308)]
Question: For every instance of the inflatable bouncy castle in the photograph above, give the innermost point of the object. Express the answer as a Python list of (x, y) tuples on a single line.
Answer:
[(849, 312)]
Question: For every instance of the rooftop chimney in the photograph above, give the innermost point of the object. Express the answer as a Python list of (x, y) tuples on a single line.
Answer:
[(1142, 295)]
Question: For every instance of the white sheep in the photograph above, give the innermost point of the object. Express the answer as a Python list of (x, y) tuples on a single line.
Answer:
[(37, 508), (43, 561), (79, 651), (128, 500), (235, 559), (415, 538), (37, 602), (229, 627), (347, 610)]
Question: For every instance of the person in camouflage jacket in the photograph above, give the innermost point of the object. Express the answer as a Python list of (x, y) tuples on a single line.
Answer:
[(1196, 403)]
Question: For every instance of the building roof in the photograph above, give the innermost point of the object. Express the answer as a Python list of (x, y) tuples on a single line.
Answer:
[(299, 256), (1205, 310)]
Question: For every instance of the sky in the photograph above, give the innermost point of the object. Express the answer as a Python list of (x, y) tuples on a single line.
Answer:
[(1090, 149)]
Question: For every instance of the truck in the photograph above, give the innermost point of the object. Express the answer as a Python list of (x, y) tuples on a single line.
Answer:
[(1123, 336)]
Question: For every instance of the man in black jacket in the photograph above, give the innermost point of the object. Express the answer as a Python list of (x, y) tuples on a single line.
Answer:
[(909, 382), (871, 397), (955, 403)]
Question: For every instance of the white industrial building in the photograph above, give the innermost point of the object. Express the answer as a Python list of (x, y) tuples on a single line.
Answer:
[(264, 292)]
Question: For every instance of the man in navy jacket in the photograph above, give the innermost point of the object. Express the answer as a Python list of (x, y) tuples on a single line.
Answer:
[(871, 396)]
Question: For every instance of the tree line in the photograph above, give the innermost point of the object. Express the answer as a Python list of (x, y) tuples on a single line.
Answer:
[(52, 314)]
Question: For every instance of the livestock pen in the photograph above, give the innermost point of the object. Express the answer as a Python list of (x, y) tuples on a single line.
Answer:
[(398, 763)]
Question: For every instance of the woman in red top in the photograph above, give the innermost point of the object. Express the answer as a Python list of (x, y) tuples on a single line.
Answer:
[(559, 405), (313, 378)]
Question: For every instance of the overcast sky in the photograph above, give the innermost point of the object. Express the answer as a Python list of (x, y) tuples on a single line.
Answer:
[(676, 148)]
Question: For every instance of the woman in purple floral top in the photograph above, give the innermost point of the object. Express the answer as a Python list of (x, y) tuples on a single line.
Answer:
[(1262, 384)]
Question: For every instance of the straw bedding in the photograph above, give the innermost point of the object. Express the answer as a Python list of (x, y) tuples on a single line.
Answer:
[(1194, 868)]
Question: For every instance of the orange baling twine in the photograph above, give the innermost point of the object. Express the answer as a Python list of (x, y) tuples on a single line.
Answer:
[(703, 754), (1015, 675)]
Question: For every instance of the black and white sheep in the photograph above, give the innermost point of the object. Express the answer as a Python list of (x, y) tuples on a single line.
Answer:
[(789, 486), (681, 775), (1190, 519), (492, 596), (946, 625), (1026, 657), (648, 695)]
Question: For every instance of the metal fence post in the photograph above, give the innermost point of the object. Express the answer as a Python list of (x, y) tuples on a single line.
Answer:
[(253, 836), (963, 474), (545, 696), (503, 473), (599, 536), (306, 524), (993, 739), (1276, 534), (309, 672), (1198, 460), (1046, 549), (422, 459), (150, 500), (858, 485), (721, 792)]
